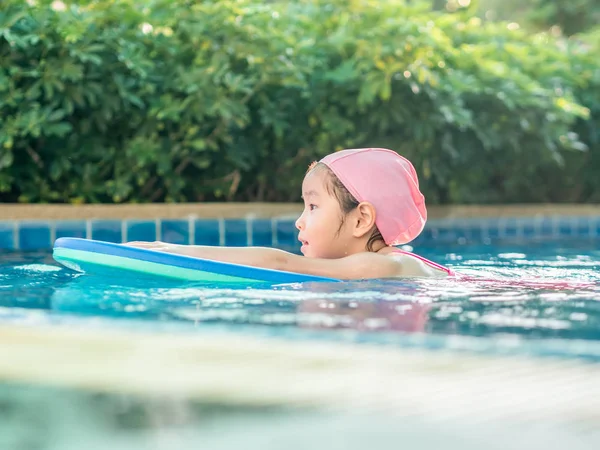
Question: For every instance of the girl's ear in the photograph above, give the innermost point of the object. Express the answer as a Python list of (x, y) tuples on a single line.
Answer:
[(365, 219)]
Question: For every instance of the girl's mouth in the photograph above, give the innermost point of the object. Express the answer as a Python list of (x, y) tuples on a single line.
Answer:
[(304, 245)]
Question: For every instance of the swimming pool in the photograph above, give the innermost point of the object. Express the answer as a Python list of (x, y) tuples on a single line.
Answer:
[(524, 322)]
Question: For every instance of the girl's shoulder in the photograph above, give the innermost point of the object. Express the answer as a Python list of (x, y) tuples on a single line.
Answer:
[(415, 265)]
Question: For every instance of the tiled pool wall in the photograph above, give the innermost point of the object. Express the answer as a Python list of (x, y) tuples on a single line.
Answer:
[(41, 234), (280, 232)]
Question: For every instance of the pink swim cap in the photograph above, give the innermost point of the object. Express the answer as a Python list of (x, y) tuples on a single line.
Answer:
[(389, 182)]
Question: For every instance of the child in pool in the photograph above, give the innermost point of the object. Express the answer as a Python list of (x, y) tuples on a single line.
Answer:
[(358, 204)]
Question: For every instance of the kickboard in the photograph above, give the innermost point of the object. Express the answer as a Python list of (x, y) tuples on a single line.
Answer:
[(118, 260)]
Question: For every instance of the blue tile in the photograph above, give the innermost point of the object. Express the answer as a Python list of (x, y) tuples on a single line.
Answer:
[(175, 231), (206, 232), (7, 236), (235, 233), (565, 227), (107, 230), (464, 233), (446, 235), (583, 226), (487, 226), (70, 228), (528, 227), (509, 227), (287, 233), (427, 234), (419, 240), (141, 230), (529, 231), (493, 231), (262, 232), (475, 233), (596, 227), (34, 236)]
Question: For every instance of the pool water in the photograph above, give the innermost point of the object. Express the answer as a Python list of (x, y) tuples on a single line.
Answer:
[(535, 292), (324, 365)]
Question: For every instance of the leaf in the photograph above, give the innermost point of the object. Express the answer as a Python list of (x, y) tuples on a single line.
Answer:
[(57, 129), (6, 159)]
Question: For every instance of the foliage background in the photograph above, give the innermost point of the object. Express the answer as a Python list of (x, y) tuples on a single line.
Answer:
[(161, 100)]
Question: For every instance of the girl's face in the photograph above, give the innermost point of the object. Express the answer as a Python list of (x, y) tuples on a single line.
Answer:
[(321, 230)]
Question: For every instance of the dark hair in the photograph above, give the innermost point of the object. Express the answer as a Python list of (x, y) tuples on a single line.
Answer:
[(346, 200)]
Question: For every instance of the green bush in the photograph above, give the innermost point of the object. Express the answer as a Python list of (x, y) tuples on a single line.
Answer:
[(131, 101), (581, 182), (570, 16), (574, 18)]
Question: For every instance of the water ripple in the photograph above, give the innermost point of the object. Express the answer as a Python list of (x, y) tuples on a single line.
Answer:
[(534, 294)]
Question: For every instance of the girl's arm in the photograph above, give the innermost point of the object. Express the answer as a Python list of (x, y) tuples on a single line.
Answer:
[(357, 266)]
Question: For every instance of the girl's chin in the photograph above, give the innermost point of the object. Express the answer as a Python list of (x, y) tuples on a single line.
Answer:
[(307, 251)]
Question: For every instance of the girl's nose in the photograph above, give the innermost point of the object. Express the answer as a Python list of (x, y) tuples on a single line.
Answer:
[(300, 222)]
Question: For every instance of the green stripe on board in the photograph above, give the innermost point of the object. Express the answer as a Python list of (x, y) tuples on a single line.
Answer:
[(71, 258)]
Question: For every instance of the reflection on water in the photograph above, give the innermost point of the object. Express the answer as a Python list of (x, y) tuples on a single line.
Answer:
[(470, 306)]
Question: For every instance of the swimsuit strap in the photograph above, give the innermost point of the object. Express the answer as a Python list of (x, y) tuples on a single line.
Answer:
[(426, 261)]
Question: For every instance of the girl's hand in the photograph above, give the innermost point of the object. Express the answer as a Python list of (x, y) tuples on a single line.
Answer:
[(156, 245)]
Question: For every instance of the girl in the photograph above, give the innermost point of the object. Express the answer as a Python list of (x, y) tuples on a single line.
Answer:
[(358, 204)]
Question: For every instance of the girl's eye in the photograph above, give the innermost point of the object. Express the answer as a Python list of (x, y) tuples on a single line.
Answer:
[(312, 206)]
